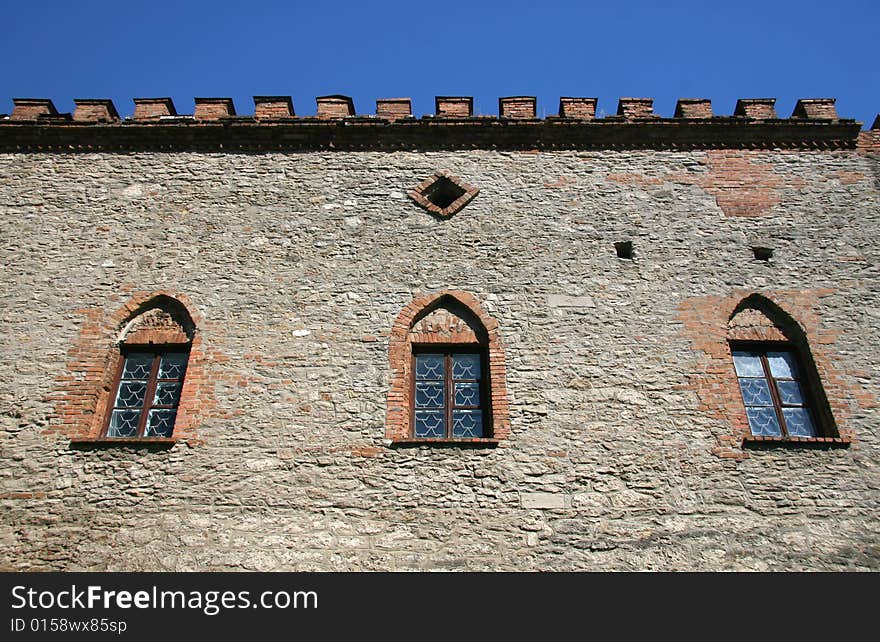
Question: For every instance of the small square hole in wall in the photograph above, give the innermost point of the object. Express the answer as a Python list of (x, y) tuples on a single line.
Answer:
[(762, 253), (624, 250)]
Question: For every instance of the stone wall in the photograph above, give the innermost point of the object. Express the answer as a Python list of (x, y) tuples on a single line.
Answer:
[(296, 266)]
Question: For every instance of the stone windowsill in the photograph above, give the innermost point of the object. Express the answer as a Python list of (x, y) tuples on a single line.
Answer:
[(436, 441), (123, 441), (751, 440)]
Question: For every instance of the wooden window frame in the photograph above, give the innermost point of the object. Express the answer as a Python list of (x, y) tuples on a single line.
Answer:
[(152, 383), (807, 381), (447, 350)]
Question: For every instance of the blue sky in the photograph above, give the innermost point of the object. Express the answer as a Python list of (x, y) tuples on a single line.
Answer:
[(485, 49)]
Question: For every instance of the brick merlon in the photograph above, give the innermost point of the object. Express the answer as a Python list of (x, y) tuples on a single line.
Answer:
[(577, 107), (335, 106), (30, 108), (755, 107), (693, 108), (213, 108), (454, 106), (636, 107), (815, 108), (517, 106), (150, 108), (95, 110), (394, 108), (273, 107)]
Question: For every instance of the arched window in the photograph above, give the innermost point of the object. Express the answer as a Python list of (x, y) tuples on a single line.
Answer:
[(448, 372), (154, 349), (778, 382)]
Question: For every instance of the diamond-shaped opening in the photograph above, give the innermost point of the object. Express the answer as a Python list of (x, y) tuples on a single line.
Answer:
[(443, 194)]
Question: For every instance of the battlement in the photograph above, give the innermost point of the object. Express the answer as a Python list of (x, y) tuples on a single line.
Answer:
[(35, 124)]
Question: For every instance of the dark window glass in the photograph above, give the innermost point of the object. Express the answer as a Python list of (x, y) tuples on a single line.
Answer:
[(147, 394), (448, 394)]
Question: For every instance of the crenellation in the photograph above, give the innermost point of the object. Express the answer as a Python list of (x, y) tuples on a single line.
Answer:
[(340, 106), (450, 111)]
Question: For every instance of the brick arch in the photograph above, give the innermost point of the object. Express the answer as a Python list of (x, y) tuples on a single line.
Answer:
[(176, 304), (467, 323), (757, 318), (159, 317), (712, 323)]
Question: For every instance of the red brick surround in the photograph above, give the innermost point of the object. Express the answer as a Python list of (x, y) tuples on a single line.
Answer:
[(711, 322), (417, 194), (81, 398), (449, 316)]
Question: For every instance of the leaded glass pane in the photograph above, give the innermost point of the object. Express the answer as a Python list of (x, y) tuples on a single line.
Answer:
[(131, 394), (137, 365), (430, 394), (467, 423), (747, 364), (467, 394), (465, 366), (430, 366), (160, 423), (799, 422), (755, 392), (430, 423), (782, 365), (167, 393), (790, 393), (172, 365), (763, 422), (123, 423)]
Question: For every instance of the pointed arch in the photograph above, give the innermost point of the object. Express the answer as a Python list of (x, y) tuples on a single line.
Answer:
[(716, 326), (778, 381), (452, 321), (156, 310), (758, 318), (150, 323), (152, 355), (162, 319)]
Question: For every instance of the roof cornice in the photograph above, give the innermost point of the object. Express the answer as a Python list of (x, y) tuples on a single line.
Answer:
[(246, 134)]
